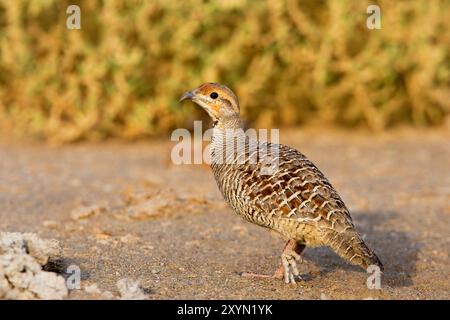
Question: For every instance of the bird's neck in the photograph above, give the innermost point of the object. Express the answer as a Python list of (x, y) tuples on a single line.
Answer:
[(232, 122), (227, 136)]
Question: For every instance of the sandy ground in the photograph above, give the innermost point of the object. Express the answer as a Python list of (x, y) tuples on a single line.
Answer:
[(192, 246)]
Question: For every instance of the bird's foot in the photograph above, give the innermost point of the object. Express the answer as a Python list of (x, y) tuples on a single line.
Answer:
[(262, 276), (278, 274), (289, 264), (288, 268)]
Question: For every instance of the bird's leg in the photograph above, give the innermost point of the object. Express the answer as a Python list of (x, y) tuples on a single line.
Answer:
[(288, 267), (289, 258)]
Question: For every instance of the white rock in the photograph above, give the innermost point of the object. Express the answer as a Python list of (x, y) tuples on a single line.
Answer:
[(22, 256), (130, 290)]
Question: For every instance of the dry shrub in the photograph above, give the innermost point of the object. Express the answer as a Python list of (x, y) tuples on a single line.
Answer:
[(291, 62)]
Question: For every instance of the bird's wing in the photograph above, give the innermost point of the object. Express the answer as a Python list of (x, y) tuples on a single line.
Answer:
[(295, 189)]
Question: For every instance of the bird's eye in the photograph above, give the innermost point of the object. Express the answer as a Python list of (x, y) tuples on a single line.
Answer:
[(213, 95)]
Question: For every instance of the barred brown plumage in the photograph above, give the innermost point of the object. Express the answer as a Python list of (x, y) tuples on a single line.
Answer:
[(296, 200)]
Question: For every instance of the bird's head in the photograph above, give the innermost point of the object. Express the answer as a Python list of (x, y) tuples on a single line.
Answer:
[(218, 101)]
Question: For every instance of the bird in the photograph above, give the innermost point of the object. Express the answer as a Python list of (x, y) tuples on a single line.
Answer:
[(293, 198)]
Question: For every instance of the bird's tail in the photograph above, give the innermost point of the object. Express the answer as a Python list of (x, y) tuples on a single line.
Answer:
[(351, 247)]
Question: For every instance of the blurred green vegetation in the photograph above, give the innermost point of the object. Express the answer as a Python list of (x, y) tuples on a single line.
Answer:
[(290, 62)]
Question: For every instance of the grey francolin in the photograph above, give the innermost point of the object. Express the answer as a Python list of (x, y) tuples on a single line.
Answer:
[(293, 198)]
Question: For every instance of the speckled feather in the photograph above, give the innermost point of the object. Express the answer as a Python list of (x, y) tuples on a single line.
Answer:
[(296, 200)]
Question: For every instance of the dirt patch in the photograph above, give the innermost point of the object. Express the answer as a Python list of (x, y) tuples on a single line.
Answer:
[(168, 228)]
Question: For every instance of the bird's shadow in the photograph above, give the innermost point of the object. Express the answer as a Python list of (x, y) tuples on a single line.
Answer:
[(397, 250)]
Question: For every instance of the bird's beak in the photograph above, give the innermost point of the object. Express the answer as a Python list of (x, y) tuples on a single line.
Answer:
[(187, 96)]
